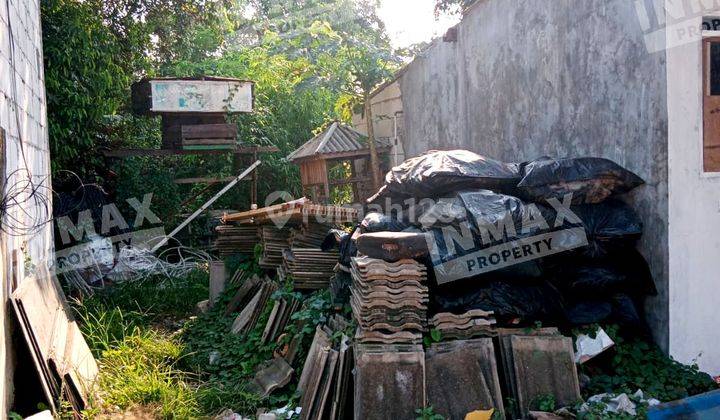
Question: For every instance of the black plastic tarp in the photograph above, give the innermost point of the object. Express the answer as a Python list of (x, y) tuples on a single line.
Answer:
[(588, 179)]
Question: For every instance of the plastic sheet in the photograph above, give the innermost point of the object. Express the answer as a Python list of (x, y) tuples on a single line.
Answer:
[(620, 272), (378, 222), (589, 179), (529, 300), (438, 172), (609, 225)]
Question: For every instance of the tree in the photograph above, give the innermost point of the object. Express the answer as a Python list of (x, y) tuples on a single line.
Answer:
[(368, 66), (451, 6)]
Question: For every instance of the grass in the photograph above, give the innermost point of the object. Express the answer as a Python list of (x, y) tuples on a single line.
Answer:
[(129, 330), (154, 354)]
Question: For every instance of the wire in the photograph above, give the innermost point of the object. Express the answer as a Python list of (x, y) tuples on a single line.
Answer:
[(138, 264)]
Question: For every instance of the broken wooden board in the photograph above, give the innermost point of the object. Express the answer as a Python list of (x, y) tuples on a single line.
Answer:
[(393, 246), (60, 354), (389, 381), (544, 365), (461, 376)]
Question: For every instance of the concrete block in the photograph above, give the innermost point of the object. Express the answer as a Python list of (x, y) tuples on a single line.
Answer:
[(217, 280)]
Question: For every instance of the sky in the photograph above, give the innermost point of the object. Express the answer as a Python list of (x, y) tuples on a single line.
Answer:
[(410, 22)]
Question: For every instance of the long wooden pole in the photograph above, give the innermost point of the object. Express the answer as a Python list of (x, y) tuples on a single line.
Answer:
[(206, 205)]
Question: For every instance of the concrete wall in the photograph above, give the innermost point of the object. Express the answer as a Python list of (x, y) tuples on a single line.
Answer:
[(694, 210), (527, 78), (23, 118)]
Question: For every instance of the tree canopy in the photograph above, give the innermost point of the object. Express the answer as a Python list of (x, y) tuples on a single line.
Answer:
[(312, 62)]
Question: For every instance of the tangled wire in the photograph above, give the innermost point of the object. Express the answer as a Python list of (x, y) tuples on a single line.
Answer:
[(137, 264), (25, 206)]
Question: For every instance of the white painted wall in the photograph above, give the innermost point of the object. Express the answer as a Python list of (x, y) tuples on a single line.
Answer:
[(23, 117), (694, 213), (387, 110)]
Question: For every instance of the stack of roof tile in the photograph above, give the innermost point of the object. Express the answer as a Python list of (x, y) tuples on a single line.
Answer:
[(471, 324), (325, 385), (389, 300), (274, 241), (309, 235), (310, 268), (236, 239), (279, 318), (250, 314)]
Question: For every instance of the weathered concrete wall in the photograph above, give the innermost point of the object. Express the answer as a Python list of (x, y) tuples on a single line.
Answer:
[(23, 119), (694, 213), (528, 78)]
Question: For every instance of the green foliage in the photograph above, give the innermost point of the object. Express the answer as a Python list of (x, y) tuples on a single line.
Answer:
[(435, 336), (84, 78), (428, 413), (544, 403), (451, 6), (139, 361), (641, 365), (596, 411)]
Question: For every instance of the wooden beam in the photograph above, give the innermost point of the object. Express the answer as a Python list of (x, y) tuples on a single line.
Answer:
[(123, 153)]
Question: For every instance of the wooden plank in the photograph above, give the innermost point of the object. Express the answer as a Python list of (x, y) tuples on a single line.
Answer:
[(711, 111), (209, 131), (240, 150), (197, 143)]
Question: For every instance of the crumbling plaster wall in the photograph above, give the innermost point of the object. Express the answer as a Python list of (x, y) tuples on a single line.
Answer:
[(23, 119), (527, 78)]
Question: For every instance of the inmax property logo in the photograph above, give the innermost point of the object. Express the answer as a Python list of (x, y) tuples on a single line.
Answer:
[(481, 245), (97, 249), (671, 23)]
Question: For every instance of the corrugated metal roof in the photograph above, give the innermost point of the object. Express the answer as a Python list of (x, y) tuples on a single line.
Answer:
[(337, 138)]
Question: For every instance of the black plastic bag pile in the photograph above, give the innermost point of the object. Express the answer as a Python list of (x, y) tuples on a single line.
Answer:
[(604, 281)]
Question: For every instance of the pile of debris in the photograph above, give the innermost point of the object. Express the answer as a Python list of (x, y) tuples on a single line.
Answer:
[(495, 250)]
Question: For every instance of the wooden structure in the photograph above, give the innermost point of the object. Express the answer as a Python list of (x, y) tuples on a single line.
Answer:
[(193, 110), (193, 113), (338, 157)]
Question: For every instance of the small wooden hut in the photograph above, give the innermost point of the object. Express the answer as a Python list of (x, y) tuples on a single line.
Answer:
[(335, 165)]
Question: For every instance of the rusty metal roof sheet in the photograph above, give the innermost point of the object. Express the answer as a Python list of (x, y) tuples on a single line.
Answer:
[(337, 138)]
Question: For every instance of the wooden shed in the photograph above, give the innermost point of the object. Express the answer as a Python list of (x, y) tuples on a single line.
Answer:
[(335, 165)]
